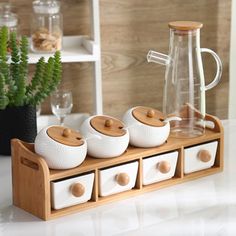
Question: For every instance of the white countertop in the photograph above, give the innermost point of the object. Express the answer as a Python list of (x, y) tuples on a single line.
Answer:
[(203, 207)]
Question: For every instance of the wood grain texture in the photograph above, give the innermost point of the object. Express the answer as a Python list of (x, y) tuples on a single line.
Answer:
[(128, 30), (31, 190)]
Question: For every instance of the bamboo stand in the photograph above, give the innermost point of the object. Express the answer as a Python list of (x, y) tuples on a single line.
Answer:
[(31, 176)]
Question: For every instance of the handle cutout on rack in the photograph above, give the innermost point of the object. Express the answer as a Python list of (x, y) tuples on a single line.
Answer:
[(29, 163)]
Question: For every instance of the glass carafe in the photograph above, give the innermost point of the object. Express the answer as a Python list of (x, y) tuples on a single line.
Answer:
[(184, 91)]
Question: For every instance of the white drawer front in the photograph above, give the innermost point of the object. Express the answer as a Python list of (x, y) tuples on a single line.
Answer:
[(66, 193), (160, 167), (193, 161), (117, 179)]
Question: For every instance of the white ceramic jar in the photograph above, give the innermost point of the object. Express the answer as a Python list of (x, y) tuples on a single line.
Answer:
[(106, 136), (147, 127), (61, 147)]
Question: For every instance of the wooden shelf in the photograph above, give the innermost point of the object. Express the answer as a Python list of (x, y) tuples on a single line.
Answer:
[(75, 49), (202, 173), (32, 177)]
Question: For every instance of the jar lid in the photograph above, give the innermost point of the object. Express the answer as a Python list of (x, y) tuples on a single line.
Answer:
[(185, 25), (65, 136), (149, 116), (108, 126), (7, 18), (46, 6)]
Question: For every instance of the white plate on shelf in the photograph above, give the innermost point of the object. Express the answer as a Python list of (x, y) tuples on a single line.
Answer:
[(72, 121)]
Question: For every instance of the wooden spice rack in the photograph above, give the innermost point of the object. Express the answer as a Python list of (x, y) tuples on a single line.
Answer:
[(31, 176)]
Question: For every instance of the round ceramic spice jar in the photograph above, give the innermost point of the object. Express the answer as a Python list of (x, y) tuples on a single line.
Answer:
[(62, 148), (106, 136), (147, 126)]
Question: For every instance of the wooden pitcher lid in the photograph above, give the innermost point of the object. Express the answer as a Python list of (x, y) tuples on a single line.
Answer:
[(65, 136), (185, 25), (149, 116), (108, 126)]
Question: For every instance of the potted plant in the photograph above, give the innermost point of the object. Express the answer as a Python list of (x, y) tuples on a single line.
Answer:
[(18, 95)]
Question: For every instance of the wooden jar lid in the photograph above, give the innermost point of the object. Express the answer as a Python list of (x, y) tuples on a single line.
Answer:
[(65, 136), (185, 25), (149, 116), (108, 126)]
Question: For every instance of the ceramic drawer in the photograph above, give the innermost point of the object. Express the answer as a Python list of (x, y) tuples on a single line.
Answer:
[(159, 167), (117, 179), (71, 191), (199, 157)]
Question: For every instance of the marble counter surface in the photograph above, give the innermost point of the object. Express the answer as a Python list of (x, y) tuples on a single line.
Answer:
[(203, 207)]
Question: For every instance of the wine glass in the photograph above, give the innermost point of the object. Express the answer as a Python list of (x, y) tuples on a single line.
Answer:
[(61, 104)]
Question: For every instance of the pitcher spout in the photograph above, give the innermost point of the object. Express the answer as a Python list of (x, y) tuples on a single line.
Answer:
[(158, 57)]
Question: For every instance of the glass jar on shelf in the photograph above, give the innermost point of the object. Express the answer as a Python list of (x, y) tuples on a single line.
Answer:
[(46, 27), (7, 18)]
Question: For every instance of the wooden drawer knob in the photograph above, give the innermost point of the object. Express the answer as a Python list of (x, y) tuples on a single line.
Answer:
[(164, 167), (204, 155), (77, 190), (122, 179)]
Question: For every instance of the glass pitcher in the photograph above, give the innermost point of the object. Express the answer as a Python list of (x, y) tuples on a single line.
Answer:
[(184, 91)]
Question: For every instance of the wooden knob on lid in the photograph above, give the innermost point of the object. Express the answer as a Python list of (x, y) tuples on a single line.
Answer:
[(204, 155), (108, 123), (164, 167), (66, 132), (122, 179), (77, 190), (148, 116), (150, 113)]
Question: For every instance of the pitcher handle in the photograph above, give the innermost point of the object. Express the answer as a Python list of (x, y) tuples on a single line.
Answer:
[(216, 80)]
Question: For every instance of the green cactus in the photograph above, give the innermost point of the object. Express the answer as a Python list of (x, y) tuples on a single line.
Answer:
[(15, 89)]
